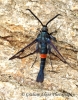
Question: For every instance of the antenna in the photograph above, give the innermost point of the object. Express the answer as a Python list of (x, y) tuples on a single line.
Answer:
[(52, 19), (35, 16), (39, 19)]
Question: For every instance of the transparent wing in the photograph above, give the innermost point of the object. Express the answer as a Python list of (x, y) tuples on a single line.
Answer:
[(56, 53), (28, 50)]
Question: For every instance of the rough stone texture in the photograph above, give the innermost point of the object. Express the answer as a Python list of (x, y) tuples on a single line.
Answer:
[(17, 29)]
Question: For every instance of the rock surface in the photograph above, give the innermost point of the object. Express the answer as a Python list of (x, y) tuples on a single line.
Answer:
[(17, 29)]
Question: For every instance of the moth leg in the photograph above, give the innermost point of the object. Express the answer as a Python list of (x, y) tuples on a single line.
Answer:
[(49, 51), (53, 32), (34, 62), (37, 48), (51, 61), (53, 38)]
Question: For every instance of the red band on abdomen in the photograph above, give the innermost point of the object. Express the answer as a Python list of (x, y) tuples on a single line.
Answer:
[(43, 55)]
